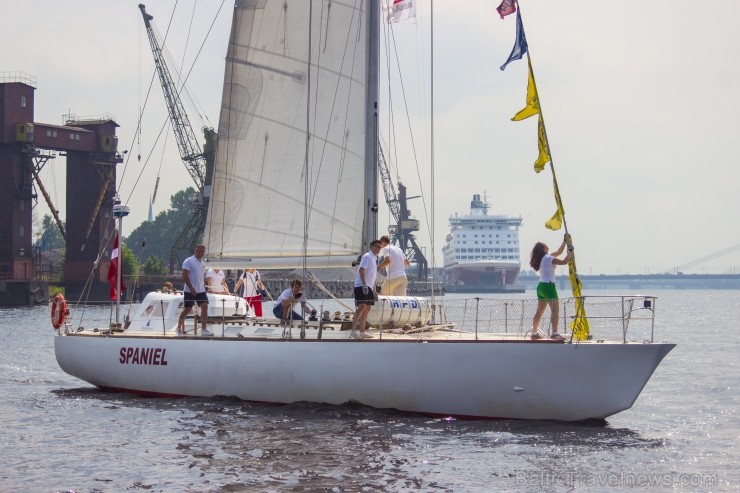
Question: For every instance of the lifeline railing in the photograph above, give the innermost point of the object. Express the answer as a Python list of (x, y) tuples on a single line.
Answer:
[(609, 317)]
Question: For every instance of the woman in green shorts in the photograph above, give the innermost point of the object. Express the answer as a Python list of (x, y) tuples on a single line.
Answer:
[(544, 263)]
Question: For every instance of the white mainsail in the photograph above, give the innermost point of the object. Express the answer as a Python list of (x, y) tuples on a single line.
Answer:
[(263, 191)]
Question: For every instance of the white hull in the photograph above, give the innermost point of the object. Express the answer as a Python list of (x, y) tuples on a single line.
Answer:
[(486, 379), (449, 369)]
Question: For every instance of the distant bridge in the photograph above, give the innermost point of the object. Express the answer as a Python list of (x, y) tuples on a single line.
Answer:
[(647, 281), (704, 259)]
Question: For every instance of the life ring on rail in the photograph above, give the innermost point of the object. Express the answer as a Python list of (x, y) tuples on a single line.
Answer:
[(59, 311)]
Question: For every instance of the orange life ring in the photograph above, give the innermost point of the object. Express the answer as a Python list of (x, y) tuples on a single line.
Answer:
[(59, 311)]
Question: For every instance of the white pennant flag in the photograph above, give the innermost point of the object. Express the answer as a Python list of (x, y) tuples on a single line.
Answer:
[(401, 10)]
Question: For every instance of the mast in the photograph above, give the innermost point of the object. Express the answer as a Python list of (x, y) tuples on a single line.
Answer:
[(371, 137), (119, 212), (431, 139)]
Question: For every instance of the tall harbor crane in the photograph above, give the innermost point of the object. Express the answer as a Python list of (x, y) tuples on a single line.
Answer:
[(402, 232), (198, 163)]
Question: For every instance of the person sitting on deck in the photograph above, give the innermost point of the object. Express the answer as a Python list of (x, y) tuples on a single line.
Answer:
[(216, 281)]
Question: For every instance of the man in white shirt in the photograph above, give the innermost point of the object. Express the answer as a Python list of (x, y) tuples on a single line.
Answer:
[(396, 262), (193, 270), (364, 290)]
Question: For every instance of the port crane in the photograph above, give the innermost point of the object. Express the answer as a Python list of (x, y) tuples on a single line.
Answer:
[(401, 233), (199, 163)]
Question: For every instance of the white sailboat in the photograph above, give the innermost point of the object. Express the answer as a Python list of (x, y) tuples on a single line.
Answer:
[(295, 186)]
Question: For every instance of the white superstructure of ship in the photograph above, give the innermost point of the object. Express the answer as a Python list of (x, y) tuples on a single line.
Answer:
[(482, 251)]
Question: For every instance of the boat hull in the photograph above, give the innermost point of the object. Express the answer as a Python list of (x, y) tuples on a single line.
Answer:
[(474, 379), (483, 277)]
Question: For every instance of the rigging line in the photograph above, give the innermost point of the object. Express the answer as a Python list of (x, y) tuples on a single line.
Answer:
[(317, 282), (200, 49), (392, 150), (575, 280), (141, 109), (345, 134), (164, 41), (137, 134), (103, 247), (320, 52), (161, 161), (558, 199), (411, 133), (187, 40), (146, 161), (318, 67), (334, 102), (228, 145)]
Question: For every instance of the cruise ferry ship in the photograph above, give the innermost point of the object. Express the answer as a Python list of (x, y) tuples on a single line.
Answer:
[(481, 253)]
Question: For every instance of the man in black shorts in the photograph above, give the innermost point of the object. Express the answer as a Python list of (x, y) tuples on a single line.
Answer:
[(193, 273), (364, 290)]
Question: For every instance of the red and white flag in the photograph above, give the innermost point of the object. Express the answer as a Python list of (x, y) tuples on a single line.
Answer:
[(113, 271), (401, 10), (507, 7)]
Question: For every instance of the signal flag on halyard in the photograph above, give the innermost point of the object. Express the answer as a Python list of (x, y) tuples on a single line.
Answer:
[(544, 156), (579, 325), (113, 271), (520, 43), (533, 100), (401, 10), (507, 7), (555, 222)]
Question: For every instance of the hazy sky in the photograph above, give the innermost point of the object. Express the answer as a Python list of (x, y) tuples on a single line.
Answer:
[(640, 100)]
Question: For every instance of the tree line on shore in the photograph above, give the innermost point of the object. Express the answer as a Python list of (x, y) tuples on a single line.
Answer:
[(144, 251)]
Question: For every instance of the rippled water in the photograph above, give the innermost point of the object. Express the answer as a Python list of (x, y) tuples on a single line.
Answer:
[(58, 433)]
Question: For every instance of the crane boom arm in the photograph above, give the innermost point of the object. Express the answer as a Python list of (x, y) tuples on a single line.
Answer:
[(390, 192), (190, 150)]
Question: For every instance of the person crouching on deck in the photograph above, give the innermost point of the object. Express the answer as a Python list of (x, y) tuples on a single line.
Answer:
[(286, 300)]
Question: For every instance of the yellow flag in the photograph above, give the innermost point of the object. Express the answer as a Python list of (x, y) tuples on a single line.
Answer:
[(544, 156), (533, 101), (579, 325), (555, 222)]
